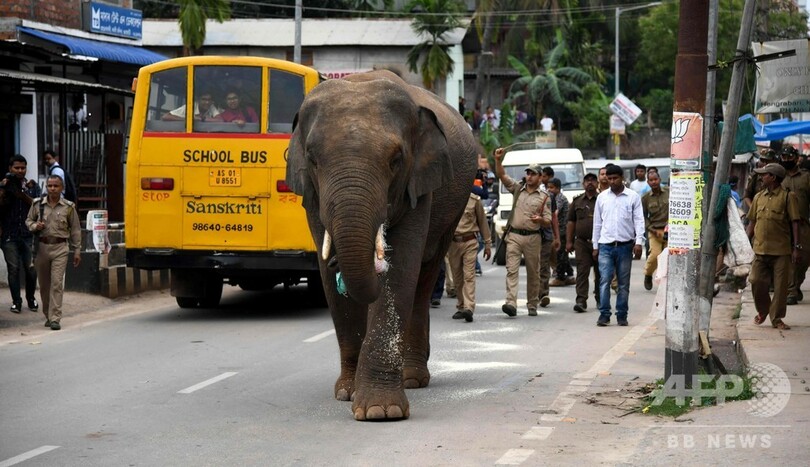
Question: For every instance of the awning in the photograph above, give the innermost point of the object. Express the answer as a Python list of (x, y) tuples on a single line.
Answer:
[(777, 129), (56, 83), (109, 51)]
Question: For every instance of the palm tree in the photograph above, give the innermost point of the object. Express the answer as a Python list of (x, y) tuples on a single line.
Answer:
[(439, 18), (553, 85), (192, 18)]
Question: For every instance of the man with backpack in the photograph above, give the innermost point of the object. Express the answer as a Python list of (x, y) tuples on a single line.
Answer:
[(53, 168)]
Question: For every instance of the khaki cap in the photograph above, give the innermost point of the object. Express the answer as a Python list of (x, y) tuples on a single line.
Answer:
[(773, 169)]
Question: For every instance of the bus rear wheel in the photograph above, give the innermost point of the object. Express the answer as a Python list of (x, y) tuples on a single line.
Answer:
[(187, 302)]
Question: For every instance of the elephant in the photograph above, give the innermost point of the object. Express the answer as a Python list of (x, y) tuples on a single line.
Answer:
[(384, 169)]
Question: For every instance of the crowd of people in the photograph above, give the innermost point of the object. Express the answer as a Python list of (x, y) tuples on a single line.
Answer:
[(37, 234), (613, 222)]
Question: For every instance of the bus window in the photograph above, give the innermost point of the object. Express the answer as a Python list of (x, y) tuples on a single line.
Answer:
[(166, 110), (234, 93), (286, 96)]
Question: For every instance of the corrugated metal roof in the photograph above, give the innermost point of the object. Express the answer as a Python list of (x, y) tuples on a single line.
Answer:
[(32, 78), (281, 33)]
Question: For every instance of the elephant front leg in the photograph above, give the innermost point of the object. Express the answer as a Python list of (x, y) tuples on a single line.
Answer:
[(379, 393), (349, 318)]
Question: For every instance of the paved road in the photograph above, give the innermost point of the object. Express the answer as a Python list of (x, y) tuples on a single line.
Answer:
[(250, 383)]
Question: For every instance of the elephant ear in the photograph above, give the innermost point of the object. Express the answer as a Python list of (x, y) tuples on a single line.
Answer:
[(297, 176), (432, 165)]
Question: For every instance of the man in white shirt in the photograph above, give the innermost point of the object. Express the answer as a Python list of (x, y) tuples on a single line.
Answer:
[(618, 233), (639, 185), (546, 123)]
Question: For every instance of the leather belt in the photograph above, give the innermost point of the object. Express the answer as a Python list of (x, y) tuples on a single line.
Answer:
[(628, 242), (525, 232), (464, 238), (52, 240)]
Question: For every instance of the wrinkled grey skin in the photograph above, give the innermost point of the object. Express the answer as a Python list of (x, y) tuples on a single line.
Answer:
[(366, 150)]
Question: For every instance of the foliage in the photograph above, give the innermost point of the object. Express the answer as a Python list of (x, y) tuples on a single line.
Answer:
[(441, 17), (492, 139), (659, 103), (593, 114), (555, 84), (192, 18), (671, 408), (659, 44)]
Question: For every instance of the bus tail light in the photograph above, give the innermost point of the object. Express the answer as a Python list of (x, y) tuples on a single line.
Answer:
[(157, 184), (282, 187)]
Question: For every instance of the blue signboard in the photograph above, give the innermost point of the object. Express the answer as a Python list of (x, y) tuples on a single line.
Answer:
[(115, 21)]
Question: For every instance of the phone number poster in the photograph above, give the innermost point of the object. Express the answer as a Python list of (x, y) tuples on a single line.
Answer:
[(685, 210)]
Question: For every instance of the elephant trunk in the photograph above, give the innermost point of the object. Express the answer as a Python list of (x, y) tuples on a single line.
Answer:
[(355, 233)]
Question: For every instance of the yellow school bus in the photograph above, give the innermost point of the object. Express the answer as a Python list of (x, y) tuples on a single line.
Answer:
[(205, 191)]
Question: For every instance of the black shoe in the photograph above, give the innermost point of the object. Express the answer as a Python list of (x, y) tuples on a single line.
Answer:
[(435, 303), (647, 282), (451, 294), (580, 307), (47, 324), (799, 295), (532, 311), (458, 315), (468, 315), (15, 307), (509, 309), (791, 300), (478, 272), (621, 321), (544, 301), (55, 326), (603, 320), (33, 305)]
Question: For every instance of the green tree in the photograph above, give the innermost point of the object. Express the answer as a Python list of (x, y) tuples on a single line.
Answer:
[(553, 85), (192, 18), (439, 17), (593, 115)]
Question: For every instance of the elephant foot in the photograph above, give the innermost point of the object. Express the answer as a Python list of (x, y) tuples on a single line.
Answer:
[(380, 405), (415, 377), (344, 389)]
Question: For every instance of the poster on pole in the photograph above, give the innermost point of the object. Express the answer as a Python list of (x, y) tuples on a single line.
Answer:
[(686, 149), (616, 125), (685, 211), (783, 84)]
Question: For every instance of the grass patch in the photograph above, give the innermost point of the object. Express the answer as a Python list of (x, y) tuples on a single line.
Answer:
[(731, 388), (737, 311)]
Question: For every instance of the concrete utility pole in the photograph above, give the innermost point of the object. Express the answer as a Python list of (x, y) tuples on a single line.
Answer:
[(691, 64), (724, 156), (297, 46)]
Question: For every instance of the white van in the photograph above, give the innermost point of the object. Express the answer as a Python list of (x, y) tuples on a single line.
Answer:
[(568, 166)]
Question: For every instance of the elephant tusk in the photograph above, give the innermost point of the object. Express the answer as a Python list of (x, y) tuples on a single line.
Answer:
[(379, 244), (327, 245)]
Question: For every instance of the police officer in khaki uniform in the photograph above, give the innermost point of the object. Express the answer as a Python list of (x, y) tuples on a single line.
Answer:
[(772, 221), (798, 182), (754, 183), (532, 211), (55, 222), (656, 216), (578, 240), (463, 252)]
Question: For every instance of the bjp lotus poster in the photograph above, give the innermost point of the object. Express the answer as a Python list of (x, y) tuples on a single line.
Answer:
[(687, 140)]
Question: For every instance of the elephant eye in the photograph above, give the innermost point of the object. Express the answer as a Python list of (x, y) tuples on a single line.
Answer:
[(396, 161)]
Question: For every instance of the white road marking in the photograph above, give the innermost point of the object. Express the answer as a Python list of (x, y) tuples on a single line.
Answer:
[(205, 383), (320, 336), (514, 457), (27, 455), (538, 432)]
